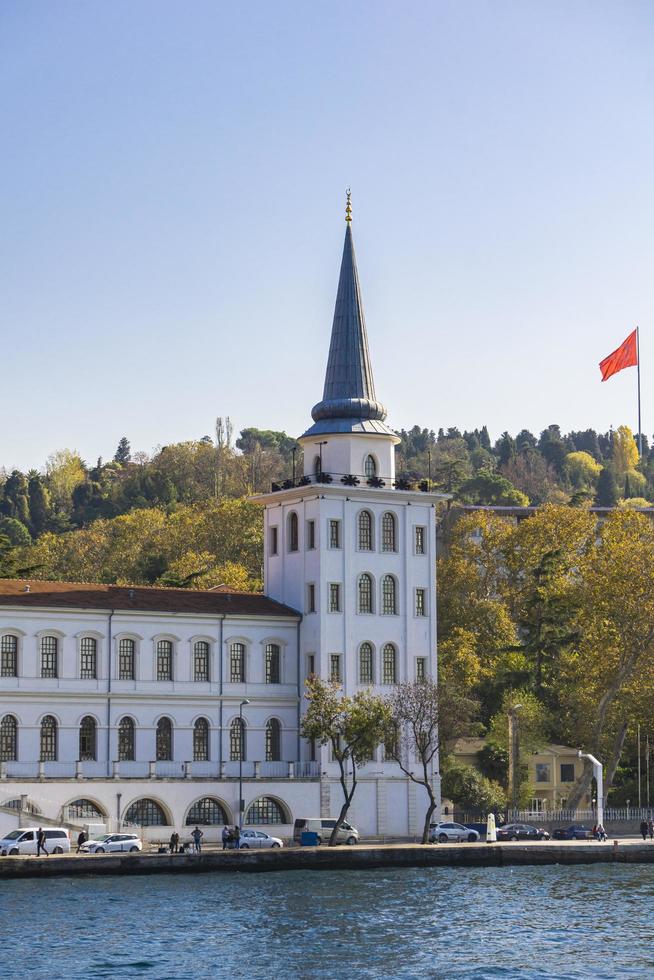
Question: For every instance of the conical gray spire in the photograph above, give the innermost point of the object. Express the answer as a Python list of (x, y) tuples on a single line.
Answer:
[(348, 401)]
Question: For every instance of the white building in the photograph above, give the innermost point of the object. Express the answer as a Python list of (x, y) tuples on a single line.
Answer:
[(151, 706)]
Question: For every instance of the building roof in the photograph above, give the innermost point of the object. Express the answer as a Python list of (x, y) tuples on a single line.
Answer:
[(32, 593), (348, 401)]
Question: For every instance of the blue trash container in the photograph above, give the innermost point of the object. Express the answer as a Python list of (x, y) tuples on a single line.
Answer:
[(309, 838)]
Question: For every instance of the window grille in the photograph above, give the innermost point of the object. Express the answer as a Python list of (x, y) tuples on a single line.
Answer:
[(164, 740), (164, 660), (265, 810), (335, 667), (421, 668), (273, 741), (49, 652), (126, 660), (389, 675), (365, 664), (365, 593), (334, 534), (365, 531), (293, 534), (311, 597), (237, 663), (421, 609), (126, 740), (9, 655), (206, 812), (85, 810), (420, 540), (146, 813), (388, 532), (334, 597), (88, 668), (389, 601), (201, 661), (237, 745), (88, 739), (8, 739), (370, 467), (272, 664), (201, 740), (311, 535), (49, 739)]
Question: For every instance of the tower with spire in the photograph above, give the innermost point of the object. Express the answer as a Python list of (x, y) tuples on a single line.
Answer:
[(350, 547)]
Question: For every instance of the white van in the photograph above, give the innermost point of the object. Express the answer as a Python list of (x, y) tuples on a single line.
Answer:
[(23, 841), (347, 834)]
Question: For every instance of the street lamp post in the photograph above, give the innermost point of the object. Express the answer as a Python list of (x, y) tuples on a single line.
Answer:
[(241, 808), (599, 778), (513, 755)]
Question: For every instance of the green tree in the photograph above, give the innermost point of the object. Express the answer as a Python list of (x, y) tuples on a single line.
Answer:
[(607, 489), (470, 790), (491, 488), (123, 453), (582, 469), (39, 504), (15, 530)]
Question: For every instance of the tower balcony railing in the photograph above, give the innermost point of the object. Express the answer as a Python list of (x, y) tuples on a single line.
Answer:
[(405, 482)]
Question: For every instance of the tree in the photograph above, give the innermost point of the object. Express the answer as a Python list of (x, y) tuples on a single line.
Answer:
[(65, 470), (424, 717), (12, 564), (491, 488), (39, 498), (582, 469), (15, 530), (123, 453), (624, 451), (607, 488), (352, 726), (471, 790)]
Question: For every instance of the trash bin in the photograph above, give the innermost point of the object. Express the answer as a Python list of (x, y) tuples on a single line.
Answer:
[(309, 838)]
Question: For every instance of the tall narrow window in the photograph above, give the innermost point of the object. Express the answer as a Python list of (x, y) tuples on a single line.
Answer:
[(335, 668), (201, 661), (334, 534), (389, 598), (311, 664), (164, 740), (311, 597), (311, 535), (272, 664), (365, 593), (365, 530), (88, 740), (164, 660), (126, 740), (389, 669), (237, 663), (420, 540), (334, 597), (88, 658), (273, 540), (48, 739), (126, 664), (237, 746), (293, 533), (370, 467), (9, 656), (317, 467), (273, 740), (201, 740), (365, 664), (389, 536), (421, 602), (8, 739), (421, 668), (49, 656)]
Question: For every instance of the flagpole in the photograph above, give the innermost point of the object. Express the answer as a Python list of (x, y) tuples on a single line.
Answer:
[(640, 437)]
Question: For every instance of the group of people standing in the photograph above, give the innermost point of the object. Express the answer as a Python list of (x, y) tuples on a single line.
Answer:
[(231, 837), (647, 827)]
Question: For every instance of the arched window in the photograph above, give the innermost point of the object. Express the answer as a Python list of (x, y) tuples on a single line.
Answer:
[(265, 810), (146, 813), (293, 533), (126, 659), (365, 530), (370, 467), (389, 664), (389, 536), (365, 664), (49, 739), (88, 739), (237, 663), (88, 658), (164, 660), (49, 656), (126, 740), (164, 740), (389, 597), (273, 675), (206, 812), (365, 593), (201, 661), (8, 739), (9, 655), (273, 740), (201, 740), (85, 810), (237, 740)]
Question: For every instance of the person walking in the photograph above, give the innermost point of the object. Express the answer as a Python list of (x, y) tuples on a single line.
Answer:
[(650, 828), (82, 838), (644, 827), (197, 836), (174, 842), (237, 837), (40, 842), (225, 836)]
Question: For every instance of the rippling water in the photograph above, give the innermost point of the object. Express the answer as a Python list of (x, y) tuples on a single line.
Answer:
[(444, 923)]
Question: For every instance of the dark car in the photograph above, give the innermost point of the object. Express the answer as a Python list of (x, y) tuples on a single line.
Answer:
[(575, 832), (521, 831)]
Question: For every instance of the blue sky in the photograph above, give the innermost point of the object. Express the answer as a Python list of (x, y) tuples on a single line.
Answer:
[(172, 195)]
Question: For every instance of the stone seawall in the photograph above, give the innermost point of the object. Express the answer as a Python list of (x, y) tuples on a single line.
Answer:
[(333, 859)]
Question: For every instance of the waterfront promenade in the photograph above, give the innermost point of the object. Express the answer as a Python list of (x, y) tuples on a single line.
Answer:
[(362, 857)]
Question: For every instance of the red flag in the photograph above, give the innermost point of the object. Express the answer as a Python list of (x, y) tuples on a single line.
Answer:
[(625, 356)]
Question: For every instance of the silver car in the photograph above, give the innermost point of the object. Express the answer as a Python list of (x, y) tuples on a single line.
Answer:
[(257, 838), (108, 843), (444, 832)]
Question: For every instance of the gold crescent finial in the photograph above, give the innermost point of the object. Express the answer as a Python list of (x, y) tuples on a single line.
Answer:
[(348, 207)]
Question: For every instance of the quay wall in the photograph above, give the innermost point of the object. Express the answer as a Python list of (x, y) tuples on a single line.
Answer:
[(329, 859)]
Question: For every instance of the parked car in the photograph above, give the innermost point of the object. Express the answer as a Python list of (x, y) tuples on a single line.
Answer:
[(347, 834), (112, 842), (257, 838), (444, 832), (521, 831), (23, 841), (574, 832)]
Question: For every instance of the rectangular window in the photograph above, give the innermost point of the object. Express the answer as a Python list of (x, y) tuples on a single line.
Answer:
[(8, 656), (421, 602), (201, 661), (567, 772), (311, 535), (334, 597), (164, 660), (421, 668), (311, 664), (311, 597), (88, 658), (49, 649), (126, 660), (334, 534), (274, 540), (420, 540), (542, 772), (335, 667), (389, 673), (237, 663)]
